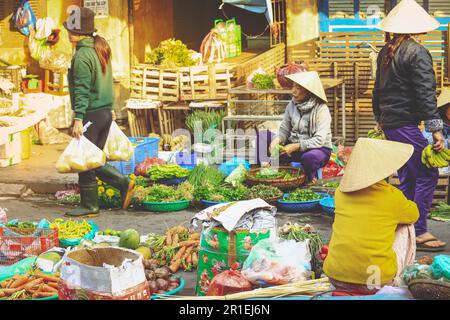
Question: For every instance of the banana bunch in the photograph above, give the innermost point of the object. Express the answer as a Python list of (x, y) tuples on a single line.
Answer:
[(376, 134), (433, 159)]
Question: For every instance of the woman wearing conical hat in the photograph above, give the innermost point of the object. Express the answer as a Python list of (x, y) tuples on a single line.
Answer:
[(373, 238), (443, 104), (305, 132), (405, 95)]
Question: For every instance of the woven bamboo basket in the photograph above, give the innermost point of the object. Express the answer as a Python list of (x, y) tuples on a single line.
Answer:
[(283, 184)]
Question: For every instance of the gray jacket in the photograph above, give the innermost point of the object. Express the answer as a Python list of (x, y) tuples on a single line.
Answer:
[(308, 124)]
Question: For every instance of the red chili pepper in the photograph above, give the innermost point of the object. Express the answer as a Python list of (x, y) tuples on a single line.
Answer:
[(324, 249)]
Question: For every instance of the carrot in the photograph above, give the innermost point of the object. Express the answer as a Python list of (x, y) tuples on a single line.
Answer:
[(8, 291), (187, 253), (175, 265), (2, 294), (48, 277), (188, 243), (175, 238), (194, 236), (179, 253), (53, 285), (37, 295), (33, 283), (169, 238), (194, 259), (19, 282), (6, 283), (46, 288)]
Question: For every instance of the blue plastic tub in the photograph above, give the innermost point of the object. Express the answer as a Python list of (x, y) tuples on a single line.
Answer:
[(304, 206), (145, 147), (172, 181), (328, 206), (207, 203)]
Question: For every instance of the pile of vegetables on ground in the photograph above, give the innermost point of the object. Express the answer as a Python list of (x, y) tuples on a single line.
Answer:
[(264, 192), (301, 195), (71, 229), (22, 228), (178, 248), (440, 213), (273, 174), (220, 193), (33, 285), (163, 193)]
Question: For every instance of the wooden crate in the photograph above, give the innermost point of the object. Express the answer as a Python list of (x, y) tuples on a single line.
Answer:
[(440, 193), (154, 83), (14, 75), (268, 60), (205, 82), (172, 117), (56, 83)]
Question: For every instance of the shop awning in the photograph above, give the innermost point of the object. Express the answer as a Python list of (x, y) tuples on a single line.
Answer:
[(255, 6)]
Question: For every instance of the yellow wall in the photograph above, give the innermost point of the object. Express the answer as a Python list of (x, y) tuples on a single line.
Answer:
[(302, 25)]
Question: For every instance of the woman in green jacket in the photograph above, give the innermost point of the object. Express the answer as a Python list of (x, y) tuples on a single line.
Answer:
[(91, 94)]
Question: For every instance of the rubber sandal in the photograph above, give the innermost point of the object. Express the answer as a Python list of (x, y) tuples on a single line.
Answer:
[(422, 246)]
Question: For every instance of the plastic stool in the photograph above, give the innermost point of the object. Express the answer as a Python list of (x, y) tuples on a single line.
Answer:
[(299, 166)]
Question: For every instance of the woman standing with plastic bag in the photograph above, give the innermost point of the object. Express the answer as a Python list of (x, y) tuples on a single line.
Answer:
[(91, 93)]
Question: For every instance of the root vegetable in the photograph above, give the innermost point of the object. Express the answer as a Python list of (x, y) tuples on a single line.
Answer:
[(51, 278), (194, 236), (188, 243), (33, 283), (53, 285), (162, 273), (179, 254), (41, 294), (173, 279), (169, 238), (150, 275), (175, 238), (20, 281), (161, 292), (172, 287), (47, 288), (194, 259), (175, 265), (162, 284), (153, 286)]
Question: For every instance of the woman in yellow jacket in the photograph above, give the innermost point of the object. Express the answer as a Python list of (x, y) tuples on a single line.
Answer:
[(373, 236)]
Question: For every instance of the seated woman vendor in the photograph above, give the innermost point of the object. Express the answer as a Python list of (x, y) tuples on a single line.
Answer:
[(305, 132), (443, 104), (373, 236)]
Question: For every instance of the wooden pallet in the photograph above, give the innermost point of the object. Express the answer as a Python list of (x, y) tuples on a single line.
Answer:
[(154, 83), (440, 193), (14, 75), (205, 82)]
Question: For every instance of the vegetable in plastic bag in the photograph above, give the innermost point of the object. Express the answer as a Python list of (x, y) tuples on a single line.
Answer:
[(118, 147), (21, 267), (416, 271), (229, 282), (440, 267), (79, 156), (272, 262)]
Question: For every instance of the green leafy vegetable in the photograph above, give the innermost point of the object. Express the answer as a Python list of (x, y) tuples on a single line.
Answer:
[(263, 81), (167, 171), (271, 174), (440, 213), (170, 53), (302, 195), (264, 192), (203, 174), (208, 119), (163, 193)]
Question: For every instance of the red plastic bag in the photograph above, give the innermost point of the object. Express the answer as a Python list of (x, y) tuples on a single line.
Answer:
[(142, 168), (331, 170), (229, 282)]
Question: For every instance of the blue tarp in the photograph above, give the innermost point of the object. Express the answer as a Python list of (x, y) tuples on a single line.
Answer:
[(255, 6)]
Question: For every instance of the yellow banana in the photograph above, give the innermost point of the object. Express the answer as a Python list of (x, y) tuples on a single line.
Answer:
[(440, 159)]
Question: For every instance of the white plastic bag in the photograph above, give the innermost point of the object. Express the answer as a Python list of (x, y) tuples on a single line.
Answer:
[(273, 262), (118, 147), (80, 155)]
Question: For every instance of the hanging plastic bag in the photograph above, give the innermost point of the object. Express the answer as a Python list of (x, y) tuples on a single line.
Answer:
[(80, 155), (272, 262), (24, 18), (118, 147)]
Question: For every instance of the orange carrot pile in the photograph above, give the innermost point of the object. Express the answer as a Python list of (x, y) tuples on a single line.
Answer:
[(29, 286)]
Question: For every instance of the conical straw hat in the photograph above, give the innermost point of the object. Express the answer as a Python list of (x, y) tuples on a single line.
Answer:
[(444, 98), (408, 17), (373, 160), (309, 80)]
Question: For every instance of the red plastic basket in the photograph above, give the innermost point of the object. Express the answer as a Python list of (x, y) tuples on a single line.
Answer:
[(15, 247)]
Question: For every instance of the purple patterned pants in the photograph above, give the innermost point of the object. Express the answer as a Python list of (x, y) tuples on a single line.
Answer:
[(311, 160), (417, 182)]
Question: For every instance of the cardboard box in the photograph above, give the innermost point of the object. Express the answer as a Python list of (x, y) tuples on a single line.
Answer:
[(103, 274)]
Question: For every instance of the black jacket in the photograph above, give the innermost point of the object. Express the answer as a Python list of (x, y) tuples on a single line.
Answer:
[(405, 90)]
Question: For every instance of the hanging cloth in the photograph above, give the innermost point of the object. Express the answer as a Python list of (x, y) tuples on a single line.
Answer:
[(255, 6)]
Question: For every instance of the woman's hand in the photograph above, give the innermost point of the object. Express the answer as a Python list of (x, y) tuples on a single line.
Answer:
[(77, 129), (290, 149), (439, 141), (273, 144)]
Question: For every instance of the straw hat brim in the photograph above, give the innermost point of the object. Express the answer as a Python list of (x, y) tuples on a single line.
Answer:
[(444, 98), (373, 160), (309, 80), (408, 17)]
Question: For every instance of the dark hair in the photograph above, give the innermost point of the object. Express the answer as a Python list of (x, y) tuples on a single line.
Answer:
[(103, 51), (393, 45)]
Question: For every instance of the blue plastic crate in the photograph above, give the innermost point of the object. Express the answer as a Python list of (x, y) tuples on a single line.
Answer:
[(145, 147)]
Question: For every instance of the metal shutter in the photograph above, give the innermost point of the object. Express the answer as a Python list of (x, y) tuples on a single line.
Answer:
[(439, 8), (341, 8), (373, 5)]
